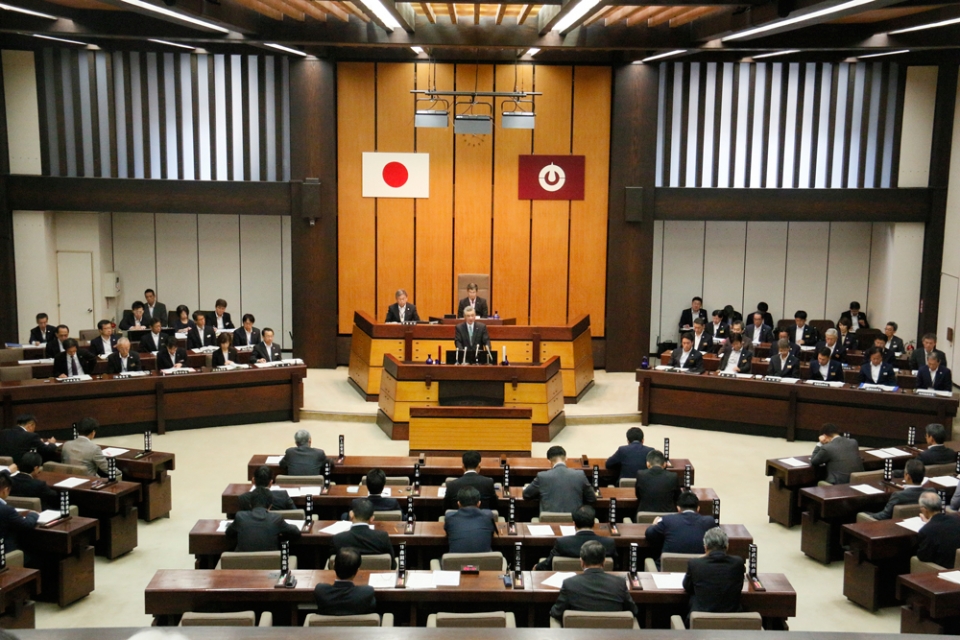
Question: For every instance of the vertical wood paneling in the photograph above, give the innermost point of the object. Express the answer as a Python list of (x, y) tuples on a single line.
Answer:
[(848, 266), (219, 261), (723, 263), (807, 247), (287, 272), (657, 286), (134, 254), (261, 273), (764, 273), (682, 278), (178, 271)]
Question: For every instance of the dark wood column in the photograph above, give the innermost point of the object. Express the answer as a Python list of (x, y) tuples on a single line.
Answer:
[(8, 276), (313, 150), (633, 159), (939, 180)]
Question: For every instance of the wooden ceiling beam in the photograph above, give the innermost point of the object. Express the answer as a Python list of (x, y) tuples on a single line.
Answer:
[(640, 17), (452, 12), (665, 16), (598, 15), (428, 12), (690, 15), (501, 12), (476, 14), (259, 7), (524, 13), (355, 10), (310, 8), (333, 9)]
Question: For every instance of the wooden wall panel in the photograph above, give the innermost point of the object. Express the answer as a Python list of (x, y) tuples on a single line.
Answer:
[(588, 218), (510, 293), (434, 224), (550, 229), (395, 237), (356, 229)]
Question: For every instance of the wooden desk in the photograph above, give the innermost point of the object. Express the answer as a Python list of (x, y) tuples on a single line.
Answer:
[(931, 604), (63, 554), (148, 362), (878, 553), (489, 430), (372, 340), (793, 411), (490, 322), (17, 590), (156, 486)]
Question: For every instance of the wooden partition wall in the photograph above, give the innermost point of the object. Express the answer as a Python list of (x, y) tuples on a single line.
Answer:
[(547, 259)]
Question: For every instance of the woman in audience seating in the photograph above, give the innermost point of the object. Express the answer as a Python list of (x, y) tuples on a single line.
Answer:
[(225, 352), (183, 321)]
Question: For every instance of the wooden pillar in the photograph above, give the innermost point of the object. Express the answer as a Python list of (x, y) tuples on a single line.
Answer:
[(9, 331), (313, 151), (633, 160)]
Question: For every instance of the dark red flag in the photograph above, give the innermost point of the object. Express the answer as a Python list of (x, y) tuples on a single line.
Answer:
[(551, 177)]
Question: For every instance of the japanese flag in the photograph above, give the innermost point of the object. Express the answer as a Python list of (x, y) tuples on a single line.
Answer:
[(396, 175)]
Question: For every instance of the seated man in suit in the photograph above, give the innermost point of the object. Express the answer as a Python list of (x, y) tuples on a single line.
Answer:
[(714, 581), (758, 331), (266, 350), (784, 333), (825, 368), (717, 327), (136, 319), (153, 309), (26, 484), (246, 335), (226, 353), (401, 311), (840, 455), (262, 483), (763, 309), (73, 361), (913, 474), (469, 529), (220, 320), (876, 371), (846, 337), (152, 342), (918, 357), (680, 532), (12, 524), (594, 589), (894, 342), (471, 336), (171, 356), (55, 347), (936, 452), (569, 546), (696, 310), (702, 341), (736, 357), (935, 375), (686, 357), (736, 328), (83, 452), (831, 341), (880, 344), (303, 459), (258, 529), (657, 489), (362, 536), (857, 318), (17, 440), (785, 364), (939, 539), (43, 332), (561, 489), (802, 333), (106, 342), (479, 304), (631, 457), (376, 482), (343, 597), (471, 478), (200, 335), (123, 360)]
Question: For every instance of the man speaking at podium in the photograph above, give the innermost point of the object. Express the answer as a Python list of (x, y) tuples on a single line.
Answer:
[(471, 335)]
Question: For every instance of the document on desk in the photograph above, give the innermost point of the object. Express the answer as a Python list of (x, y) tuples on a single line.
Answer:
[(668, 580), (788, 380), (568, 530), (945, 481), (421, 580), (113, 452), (914, 524), (952, 576), (337, 527), (866, 488), (446, 578), (383, 580), (353, 489), (556, 580), (48, 515), (884, 453), (793, 462), (297, 523), (222, 527), (442, 492), (70, 483), (311, 491), (273, 459), (293, 492), (540, 529)]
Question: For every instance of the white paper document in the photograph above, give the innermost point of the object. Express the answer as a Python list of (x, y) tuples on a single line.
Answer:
[(386, 493), (274, 459), (914, 524), (70, 483), (442, 492), (337, 527), (556, 580), (297, 523), (311, 491), (112, 452), (952, 576), (945, 481), (789, 380), (793, 462), (293, 492), (540, 529), (883, 453), (668, 580), (568, 530), (420, 580), (896, 452), (446, 578), (353, 489), (48, 516), (866, 488), (383, 580), (807, 348), (222, 527), (662, 367)]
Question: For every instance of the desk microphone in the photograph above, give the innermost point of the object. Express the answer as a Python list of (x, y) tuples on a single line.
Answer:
[(489, 355), (476, 354)]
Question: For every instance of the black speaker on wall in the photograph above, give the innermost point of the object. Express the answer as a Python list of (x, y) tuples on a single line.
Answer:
[(633, 204), (310, 199)]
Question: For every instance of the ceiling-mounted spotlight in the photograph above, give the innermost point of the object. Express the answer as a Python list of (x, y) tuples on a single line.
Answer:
[(472, 123), (517, 114), (435, 116)]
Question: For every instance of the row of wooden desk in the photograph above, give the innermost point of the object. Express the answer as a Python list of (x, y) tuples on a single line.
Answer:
[(18, 588), (148, 362)]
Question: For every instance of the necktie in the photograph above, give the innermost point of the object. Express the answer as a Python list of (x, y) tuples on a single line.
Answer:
[(72, 369), (123, 364), (269, 358), (470, 331)]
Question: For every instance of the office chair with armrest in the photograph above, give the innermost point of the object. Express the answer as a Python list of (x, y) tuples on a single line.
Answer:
[(595, 620), (6, 461), (482, 280), (88, 334), (745, 621), (366, 620), (934, 470), (257, 560), (231, 619), (489, 561), (860, 477), (919, 566), (13, 354), (392, 515), (647, 517), (486, 620), (392, 481), (561, 563), (900, 512), (15, 373), (72, 469), (627, 483), (291, 514), (670, 562), (15, 559), (299, 480), (553, 516), (369, 562)]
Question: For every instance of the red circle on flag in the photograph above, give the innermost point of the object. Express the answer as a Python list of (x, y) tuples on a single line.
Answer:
[(395, 174)]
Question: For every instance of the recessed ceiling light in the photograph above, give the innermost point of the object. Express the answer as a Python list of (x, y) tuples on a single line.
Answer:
[(381, 12), (171, 44), (575, 14), (885, 53), (775, 53), (176, 15), (83, 44), (280, 47), (664, 55), (796, 19), (36, 14), (417, 50), (932, 25)]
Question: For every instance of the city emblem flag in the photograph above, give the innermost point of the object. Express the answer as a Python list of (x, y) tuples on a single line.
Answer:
[(551, 177)]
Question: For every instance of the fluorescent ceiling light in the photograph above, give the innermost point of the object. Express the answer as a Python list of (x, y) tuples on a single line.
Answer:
[(532, 51), (37, 35), (381, 12), (280, 47), (775, 53), (664, 55), (794, 20), (37, 14), (885, 53), (932, 25), (417, 50), (575, 14), (176, 15), (171, 44)]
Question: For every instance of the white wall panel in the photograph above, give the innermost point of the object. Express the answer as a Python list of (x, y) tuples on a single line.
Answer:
[(178, 272), (287, 270), (806, 278), (81, 232), (916, 138), (723, 258), (682, 279), (35, 254), (218, 237), (765, 266), (848, 267), (881, 249), (907, 264), (261, 279), (656, 288), (134, 254), (951, 257), (23, 115)]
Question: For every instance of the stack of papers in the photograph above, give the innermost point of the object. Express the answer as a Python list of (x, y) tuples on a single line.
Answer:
[(946, 481), (932, 392), (383, 580), (297, 523), (274, 459), (446, 578), (222, 527), (540, 529), (112, 452), (889, 452), (442, 492), (70, 483), (421, 580), (556, 580), (568, 530), (807, 348), (914, 524), (866, 488), (668, 580), (180, 336), (793, 462), (48, 516), (952, 576), (337, 527)]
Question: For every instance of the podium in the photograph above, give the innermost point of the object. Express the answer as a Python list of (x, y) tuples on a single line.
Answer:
[(493, 431)]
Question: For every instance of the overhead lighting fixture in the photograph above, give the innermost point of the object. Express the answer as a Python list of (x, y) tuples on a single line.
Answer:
[(417, 50), (575, 14), (82, 44), (171, 44), (518, 119), (932, 25), (885, 53), (776, 53), (36, 14), (470, 123), (176, 15), (381, 12), (280, 47), (664, 55), (532, 51), (813, 15)]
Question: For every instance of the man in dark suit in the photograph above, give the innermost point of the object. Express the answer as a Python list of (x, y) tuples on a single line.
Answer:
[(717, 328), (43, 332), (73, 361), (262, 483), (688, 316), (343, 597), (55, 347), (631, 457), (134, 318), (152, 342), (170, 355), (153, 309), (934, 376), (303, 459), (686, 357), (471, 336), (939, 539), (201, 335), (936, 452), (106, 342), (472, 478), (469, 529), (561, 489), (401, 311), (802, 333), (737, 357), (246, 334), (680, 532), (847, 338), (831, 341), (18, 440), (894, 342), (840, 455), (362, 536), (266, 350), (569, 546), (702, 341), (376, 481), (123, 360), (758, 331), (784, 364), (918, 357), (714, 581), (784, 334), (220, 319), (880, 344), (657, 489), (763, 310), (259, 529), (913, 474), (593, 590), (12, 524), (825, 368), (26, 485), (876, 371), (479, 304), (857, 318)]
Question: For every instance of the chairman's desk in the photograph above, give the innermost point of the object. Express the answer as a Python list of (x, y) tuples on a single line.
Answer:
[(372, 340), (174, 592), (157, 401), (17, 590), (759, 407), (429, 541), (63, 553)]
